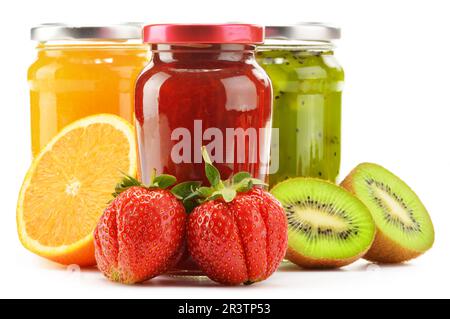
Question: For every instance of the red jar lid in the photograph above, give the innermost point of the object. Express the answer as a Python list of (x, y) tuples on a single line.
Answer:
[(203, 33)]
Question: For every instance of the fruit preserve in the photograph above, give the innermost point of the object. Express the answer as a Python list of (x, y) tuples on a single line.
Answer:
[(307, 82), (82, 71), (203, 87)]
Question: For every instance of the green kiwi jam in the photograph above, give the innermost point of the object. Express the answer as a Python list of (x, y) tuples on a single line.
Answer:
[(307, 89)]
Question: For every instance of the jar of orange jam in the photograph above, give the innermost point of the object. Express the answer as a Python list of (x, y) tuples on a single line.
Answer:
[(81, 71)]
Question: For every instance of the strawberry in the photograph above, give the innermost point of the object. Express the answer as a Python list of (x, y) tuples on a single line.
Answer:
[(238, 233), (142, 232)]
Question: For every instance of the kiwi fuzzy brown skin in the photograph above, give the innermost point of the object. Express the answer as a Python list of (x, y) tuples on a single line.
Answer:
[(310, 263), (315, 263), (383, 249)]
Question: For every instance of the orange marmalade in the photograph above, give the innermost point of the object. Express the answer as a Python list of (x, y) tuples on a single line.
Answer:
[(82, 71)]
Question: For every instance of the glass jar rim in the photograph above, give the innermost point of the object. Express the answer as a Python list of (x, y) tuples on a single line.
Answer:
[(65, 32), (305, 31), (294, 45), (91, 45)]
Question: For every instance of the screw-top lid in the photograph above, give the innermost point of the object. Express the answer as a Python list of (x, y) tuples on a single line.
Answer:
[(306, 31), (203, 33), (60, 31)]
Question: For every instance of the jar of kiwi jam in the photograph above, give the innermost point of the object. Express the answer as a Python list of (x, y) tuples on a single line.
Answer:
[(307, 87)]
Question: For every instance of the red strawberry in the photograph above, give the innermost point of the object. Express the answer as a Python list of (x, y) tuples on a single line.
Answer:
[(239, 233), (141, 233)]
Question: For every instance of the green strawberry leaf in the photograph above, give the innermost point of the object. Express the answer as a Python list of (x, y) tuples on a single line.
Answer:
[(240, 176), (228, 194), (212, 174), (247, 184), (200, 193), (215, 195), (191, 196), (183, 190), (127, 182), (204, 191), (164, 181), (244, 185), (256, 181)]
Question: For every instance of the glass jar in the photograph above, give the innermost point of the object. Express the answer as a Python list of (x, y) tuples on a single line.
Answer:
[(203, 87), (307, 82), (82, 71)]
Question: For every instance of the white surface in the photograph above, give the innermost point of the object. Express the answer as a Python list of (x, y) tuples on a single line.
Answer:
[(424, 278), (396, 113)]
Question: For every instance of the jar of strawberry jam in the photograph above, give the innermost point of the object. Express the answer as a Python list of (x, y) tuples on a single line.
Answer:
[(203, 87)]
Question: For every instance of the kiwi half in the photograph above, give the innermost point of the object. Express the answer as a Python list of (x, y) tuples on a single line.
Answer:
[(404, 228), (328, 227)]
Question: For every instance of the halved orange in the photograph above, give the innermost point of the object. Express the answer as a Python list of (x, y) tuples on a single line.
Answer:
[(70, 183)]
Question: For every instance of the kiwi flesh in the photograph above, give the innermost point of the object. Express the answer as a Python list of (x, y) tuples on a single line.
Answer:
[(404, 227), (328, 227)]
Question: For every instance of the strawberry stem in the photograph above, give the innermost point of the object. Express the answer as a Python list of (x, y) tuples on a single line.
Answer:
[(152, 176)]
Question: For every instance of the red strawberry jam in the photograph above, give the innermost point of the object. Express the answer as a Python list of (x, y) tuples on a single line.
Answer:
[(203, 87)]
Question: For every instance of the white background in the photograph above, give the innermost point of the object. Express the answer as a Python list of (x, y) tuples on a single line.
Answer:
[(396, 113)]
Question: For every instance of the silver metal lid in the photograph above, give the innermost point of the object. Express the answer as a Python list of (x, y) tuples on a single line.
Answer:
[(60, 31), (307, 31)]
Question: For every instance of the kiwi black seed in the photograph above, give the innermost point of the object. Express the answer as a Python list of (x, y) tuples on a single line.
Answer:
[(327, 226), (404, 227)]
